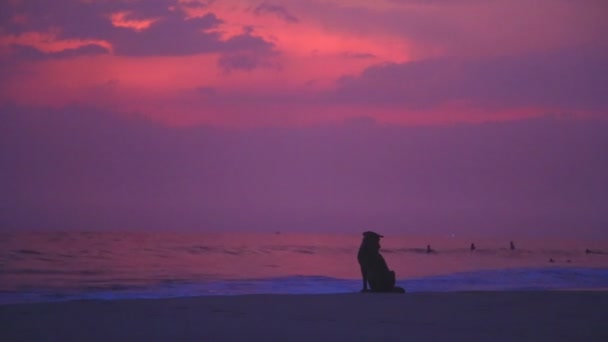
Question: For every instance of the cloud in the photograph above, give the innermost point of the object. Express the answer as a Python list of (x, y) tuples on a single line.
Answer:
[(30, 53), (170, 36), (570, 79), (279, 11), (248, 52), (133, 28)]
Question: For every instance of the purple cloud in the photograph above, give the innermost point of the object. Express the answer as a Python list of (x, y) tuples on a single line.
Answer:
[(171, 34), (279, 11), (248, 52), (26, 52), (571, 79)]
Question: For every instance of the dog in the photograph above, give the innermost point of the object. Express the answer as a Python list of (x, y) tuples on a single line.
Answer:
[(374, 269)]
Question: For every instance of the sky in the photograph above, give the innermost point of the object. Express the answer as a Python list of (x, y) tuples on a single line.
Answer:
[(406, 116)]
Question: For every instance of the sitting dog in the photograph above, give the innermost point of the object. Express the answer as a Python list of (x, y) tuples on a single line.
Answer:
[(374, 269)]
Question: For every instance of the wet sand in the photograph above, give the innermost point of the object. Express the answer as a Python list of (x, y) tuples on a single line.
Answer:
[(470, 316)]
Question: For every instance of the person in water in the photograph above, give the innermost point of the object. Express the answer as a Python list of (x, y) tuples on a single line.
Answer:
[(374, 269)]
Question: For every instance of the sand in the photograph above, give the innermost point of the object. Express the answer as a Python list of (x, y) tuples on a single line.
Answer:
[(466, 316)]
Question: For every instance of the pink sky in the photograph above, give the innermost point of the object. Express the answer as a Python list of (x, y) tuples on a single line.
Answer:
[(164, 73), (291, 62)]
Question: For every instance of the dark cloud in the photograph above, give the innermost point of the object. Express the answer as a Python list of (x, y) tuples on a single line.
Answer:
[(78, 168), (75, 19), (27, 52), (196, 3), (171, 34), (279, 11), (247, 41), (572, 79), (248, 52)]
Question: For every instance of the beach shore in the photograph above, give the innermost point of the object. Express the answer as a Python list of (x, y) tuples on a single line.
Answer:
[(470, 316)]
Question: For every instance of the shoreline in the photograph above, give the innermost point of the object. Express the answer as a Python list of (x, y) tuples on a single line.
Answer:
[(474, 315), (498, 280)]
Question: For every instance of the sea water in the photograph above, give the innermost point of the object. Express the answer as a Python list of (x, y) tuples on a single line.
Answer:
[(51, 266)]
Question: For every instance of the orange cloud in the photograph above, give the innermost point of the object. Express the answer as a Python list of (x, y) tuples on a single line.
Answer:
[(48, 42), (124, 19)]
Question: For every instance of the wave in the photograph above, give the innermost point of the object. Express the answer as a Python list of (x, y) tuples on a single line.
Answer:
[(550, 278), (521, 279), (25, 271), (159, 251)]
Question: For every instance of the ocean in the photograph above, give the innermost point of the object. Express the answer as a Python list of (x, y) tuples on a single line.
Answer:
[(59, 266)]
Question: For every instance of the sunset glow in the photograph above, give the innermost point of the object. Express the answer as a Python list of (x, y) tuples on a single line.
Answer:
[(124, 54), (230, 111)]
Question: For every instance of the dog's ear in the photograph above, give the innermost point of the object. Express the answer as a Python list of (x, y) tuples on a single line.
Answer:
[(373, 235)]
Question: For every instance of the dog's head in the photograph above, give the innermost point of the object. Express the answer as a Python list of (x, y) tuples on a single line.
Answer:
[(371, 240)]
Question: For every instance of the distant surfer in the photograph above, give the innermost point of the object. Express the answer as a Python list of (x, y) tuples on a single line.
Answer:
[(429, 249), (472, 247), (591, 251), (512, 246), (374, 269)]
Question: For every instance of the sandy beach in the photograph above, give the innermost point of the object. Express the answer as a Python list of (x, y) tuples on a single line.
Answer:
[(471, 316)]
